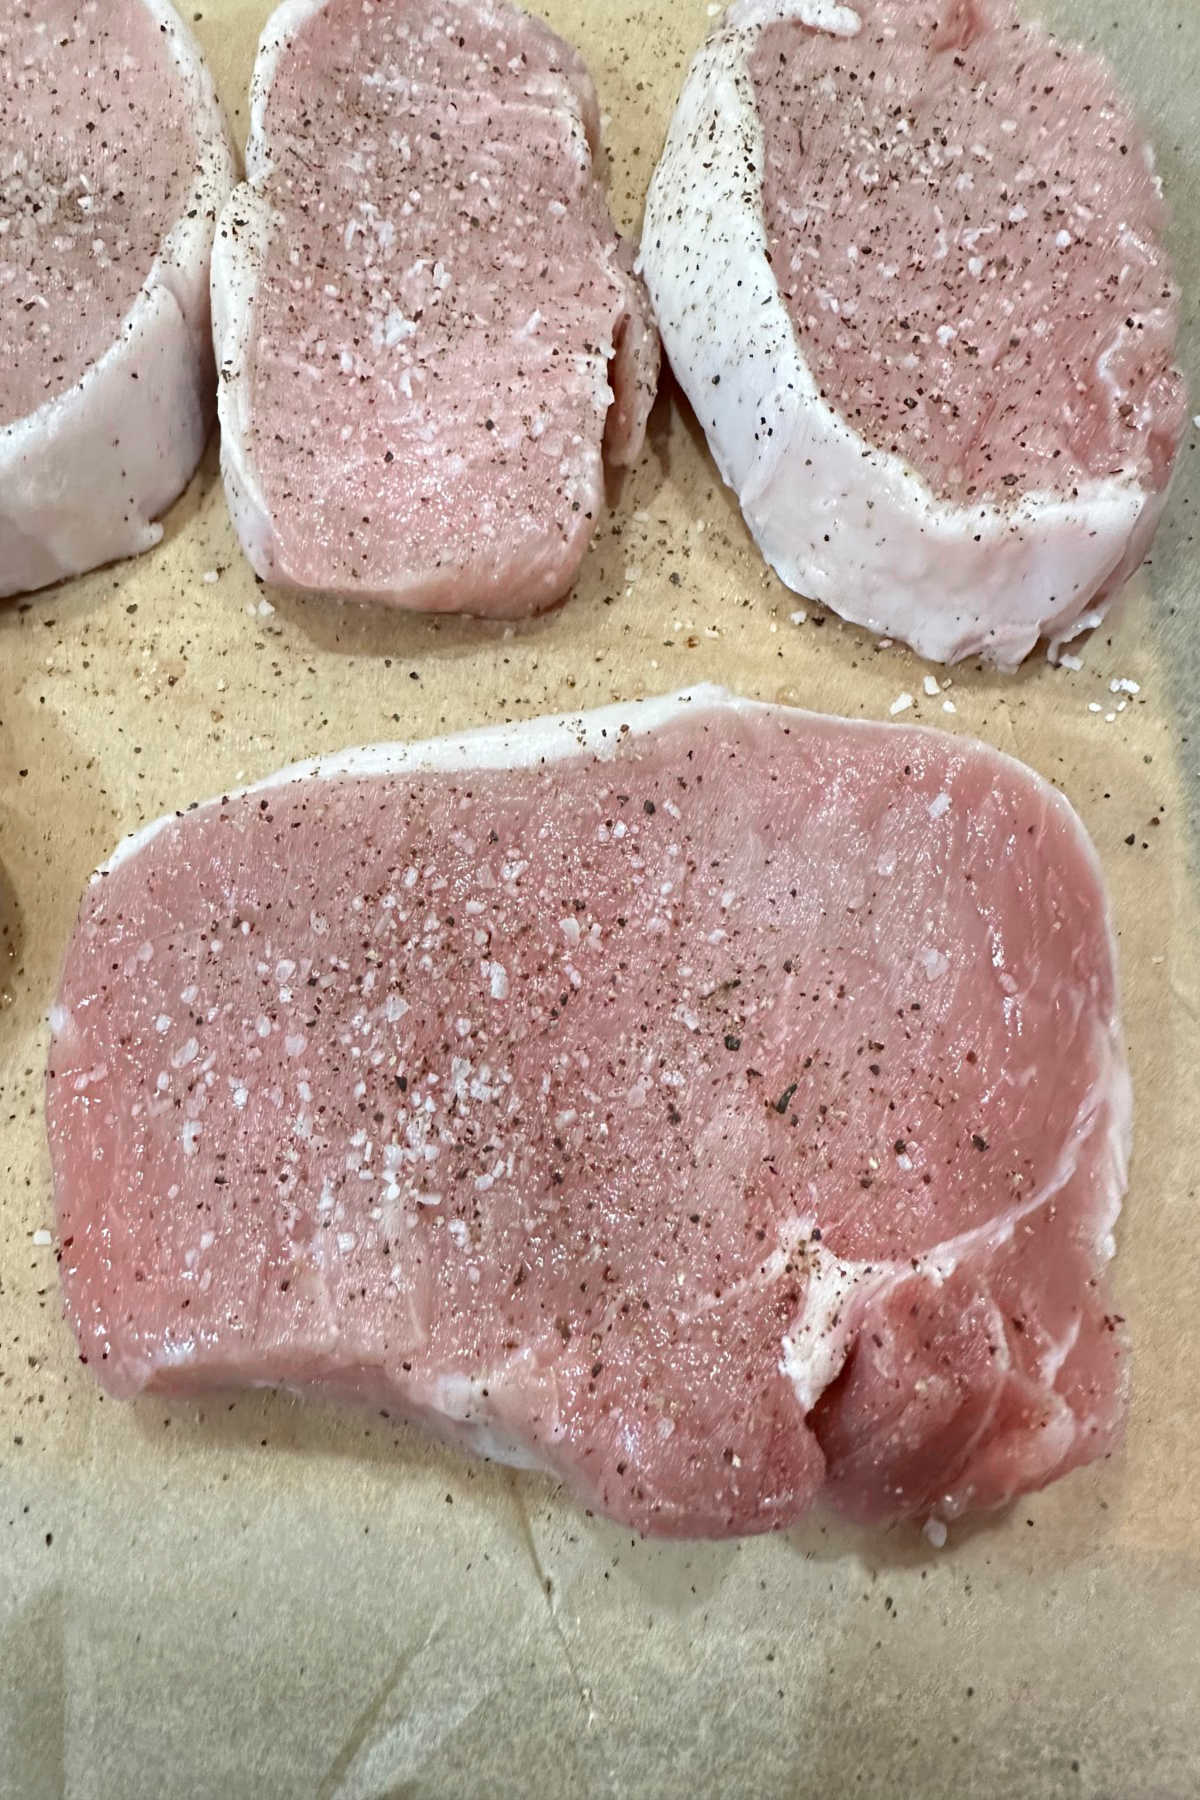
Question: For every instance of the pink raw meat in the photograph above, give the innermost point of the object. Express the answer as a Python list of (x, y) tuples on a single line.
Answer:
[(713, 1104), (114, 162), (907, 258), (429, 332)]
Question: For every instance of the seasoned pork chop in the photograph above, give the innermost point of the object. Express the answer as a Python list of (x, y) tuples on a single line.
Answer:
[(907, 261), (114, 162), (716, 1105), (429, 332)]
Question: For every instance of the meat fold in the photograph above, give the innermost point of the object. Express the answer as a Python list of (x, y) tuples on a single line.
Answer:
[(429, 333), (908, 266), (114, 162), (721, 1107)]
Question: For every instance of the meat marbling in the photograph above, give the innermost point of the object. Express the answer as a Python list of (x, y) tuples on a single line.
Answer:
[(114, 162), (429, 332), (907, 261), (716, 1105)]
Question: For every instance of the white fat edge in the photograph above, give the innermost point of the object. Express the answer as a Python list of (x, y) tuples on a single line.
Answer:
[(819, 15), (185, 244), (275, 40), (601, 733), (188, 243), (238, 257), (495, 1445), (1053, 552), (463, 1413), (815, 1348), (1053, 1359), (526, 744), (237, 261)]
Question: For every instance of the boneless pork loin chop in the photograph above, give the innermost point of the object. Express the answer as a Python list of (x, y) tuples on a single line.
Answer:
[(114, 162), (716, 1105), (907, 263), (429, 333)]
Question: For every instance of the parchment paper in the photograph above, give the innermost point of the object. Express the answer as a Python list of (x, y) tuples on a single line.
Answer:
[(254, 1597)]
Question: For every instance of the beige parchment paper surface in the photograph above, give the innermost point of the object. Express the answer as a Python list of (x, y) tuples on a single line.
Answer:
[(254, 1597)]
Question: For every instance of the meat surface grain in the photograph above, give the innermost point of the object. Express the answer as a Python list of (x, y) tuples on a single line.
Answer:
[(114, 162), (716, 1105), (907, 261), (428, 330)]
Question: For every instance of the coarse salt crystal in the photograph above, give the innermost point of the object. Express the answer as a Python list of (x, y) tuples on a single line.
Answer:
[(210, 576), (1067, 661), (900, 704), (931, 686), (496, 976), (939, 807), (935, 1533), (1119, 685), (948, 706), (42, 1239)]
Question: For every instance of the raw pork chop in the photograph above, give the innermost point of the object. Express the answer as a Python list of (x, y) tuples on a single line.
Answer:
[(711, 1103), (428, 330), (114, 163), (906, 261)]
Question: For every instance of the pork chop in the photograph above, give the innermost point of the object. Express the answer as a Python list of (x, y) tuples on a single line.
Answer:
[(908, 266), (716, 1105), (114, 162), (428, 330)]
